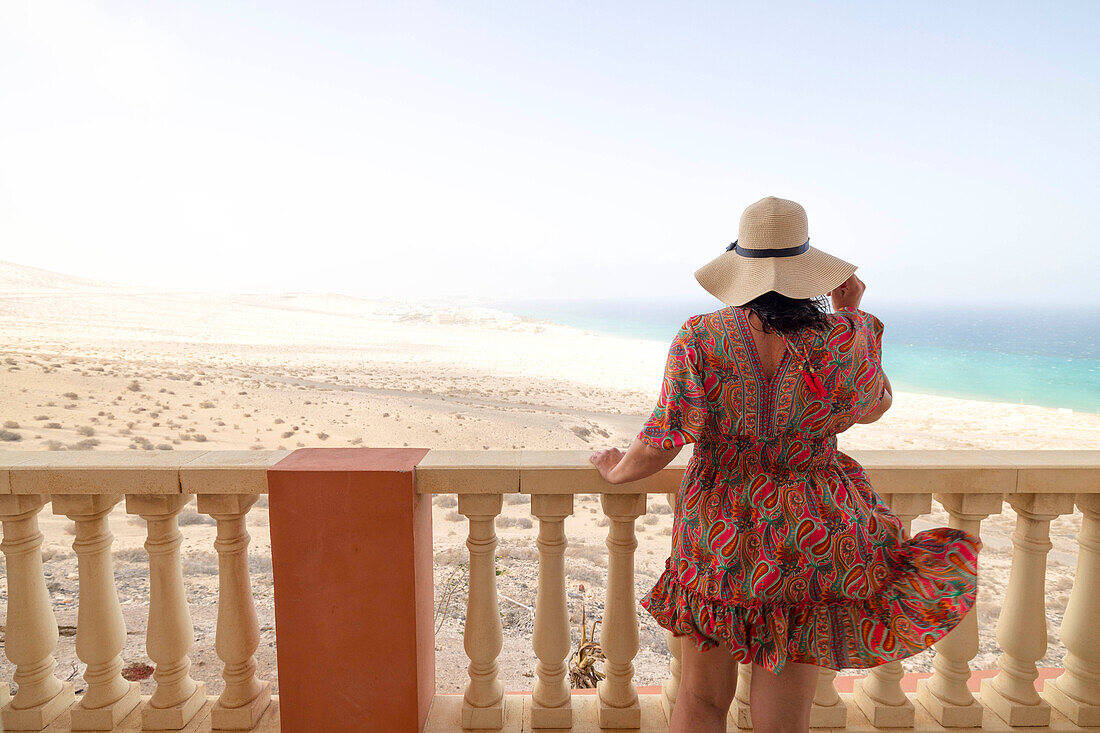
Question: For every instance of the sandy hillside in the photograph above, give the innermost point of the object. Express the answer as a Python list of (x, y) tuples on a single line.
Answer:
[(97, 366)]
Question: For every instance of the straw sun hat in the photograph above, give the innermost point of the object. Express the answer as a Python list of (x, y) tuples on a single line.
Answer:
[(772, 252)]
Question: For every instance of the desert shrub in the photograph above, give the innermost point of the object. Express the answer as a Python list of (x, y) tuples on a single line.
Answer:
[(523, 522), (41, 417), (86, 444), (9, 436), (53, 425), (163, 446), (198, 438), (71, 396), (322, 436), (279, 421), (287, 434), (133, 554), (189, 517), (595, 554), (54, 445), (206, 404), (11, 424), (660, 509), (445, 500), (517, 498), (453, 516), (200, 563), (85, 430), (651, 519), (134, 386)]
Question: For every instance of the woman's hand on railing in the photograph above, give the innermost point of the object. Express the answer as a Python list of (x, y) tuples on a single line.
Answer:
[(639, 461)]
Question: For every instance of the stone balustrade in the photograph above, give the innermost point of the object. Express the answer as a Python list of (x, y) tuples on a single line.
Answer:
[(85, 486)]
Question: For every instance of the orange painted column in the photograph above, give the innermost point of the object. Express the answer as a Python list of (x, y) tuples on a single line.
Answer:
[(351, 546)]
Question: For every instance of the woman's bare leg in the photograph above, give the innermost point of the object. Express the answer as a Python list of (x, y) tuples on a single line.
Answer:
[(781, 703), (707, 683)]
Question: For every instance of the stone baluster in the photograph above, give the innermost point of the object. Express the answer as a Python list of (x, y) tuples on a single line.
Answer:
[(879, 695), (829, 710), (31, 631), (1076, 693), (245, 697), (670, 688), (740, 709), (177, 697), (100, 629), (483, 638), (617, 697), (551, 700), (946, 695), (1022, 625)]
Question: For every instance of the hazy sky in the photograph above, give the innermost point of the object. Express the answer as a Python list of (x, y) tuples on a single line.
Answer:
[(549, 148)]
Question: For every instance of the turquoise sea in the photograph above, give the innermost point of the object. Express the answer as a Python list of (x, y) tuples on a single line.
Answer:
[(1035, 356)]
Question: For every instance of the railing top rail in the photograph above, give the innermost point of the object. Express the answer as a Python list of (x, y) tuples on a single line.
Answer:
[(890, 471), (530, 472), (137, 472)]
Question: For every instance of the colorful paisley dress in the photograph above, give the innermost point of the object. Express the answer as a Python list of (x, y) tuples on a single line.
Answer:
[(782, 551)]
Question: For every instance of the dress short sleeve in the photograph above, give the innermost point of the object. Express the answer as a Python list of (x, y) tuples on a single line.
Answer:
[(681, 411), (863, 341)]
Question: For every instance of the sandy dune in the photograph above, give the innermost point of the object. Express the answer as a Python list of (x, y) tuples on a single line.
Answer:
[(96, 366)]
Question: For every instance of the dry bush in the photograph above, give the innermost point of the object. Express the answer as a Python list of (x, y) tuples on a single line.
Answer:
[(207, 404), (86, 444), (71, 396), (134, 386), (9, 436), (41, 417), (86, 430), (517, 498), (445, 500), (11, 424), (200, 563), (453, 517), (52, 425), (523, 522), (651, 519), (54, 445), (660, 509), (190, 516), (133, 554), (163, 446), (595, 554)]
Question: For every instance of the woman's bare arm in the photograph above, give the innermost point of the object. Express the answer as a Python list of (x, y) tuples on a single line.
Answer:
[(639, 461), (883, 404)]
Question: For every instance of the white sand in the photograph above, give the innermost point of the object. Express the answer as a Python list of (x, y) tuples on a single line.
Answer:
[(156, 370)]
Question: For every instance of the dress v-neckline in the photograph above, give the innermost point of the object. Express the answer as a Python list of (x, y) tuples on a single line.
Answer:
[(767, 389), (754, 352)]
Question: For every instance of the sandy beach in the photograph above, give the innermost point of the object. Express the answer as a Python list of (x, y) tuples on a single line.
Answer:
[(97, 366)]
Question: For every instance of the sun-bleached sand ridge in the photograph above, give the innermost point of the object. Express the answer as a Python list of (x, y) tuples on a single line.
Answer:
[(97, 366)]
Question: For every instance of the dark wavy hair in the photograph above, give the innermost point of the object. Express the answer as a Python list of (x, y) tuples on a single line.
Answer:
[(788, 316)]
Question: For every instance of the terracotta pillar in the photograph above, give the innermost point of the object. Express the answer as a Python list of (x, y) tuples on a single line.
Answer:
[(351, 543)]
